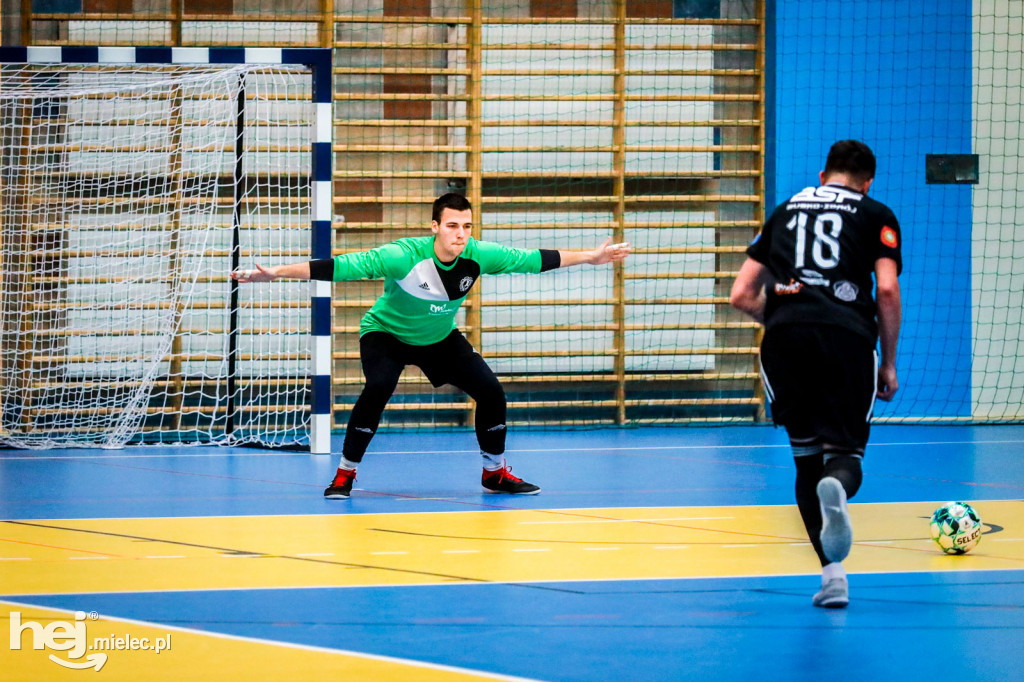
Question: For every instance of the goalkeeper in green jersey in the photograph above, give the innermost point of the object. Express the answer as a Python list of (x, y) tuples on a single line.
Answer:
[(426, 279)]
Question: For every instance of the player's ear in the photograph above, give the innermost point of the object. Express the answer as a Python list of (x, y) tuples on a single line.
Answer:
[(867, 185), (434, 227), (821, 177)]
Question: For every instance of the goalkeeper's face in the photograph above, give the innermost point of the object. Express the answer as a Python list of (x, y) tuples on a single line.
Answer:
[(452, 233)]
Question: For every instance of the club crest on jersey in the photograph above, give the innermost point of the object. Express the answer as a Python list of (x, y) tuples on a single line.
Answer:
[(793, 287), (889, 237), (845, 291), (465, 283)]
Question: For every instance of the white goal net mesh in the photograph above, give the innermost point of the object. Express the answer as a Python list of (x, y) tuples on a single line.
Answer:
[(128, 193)]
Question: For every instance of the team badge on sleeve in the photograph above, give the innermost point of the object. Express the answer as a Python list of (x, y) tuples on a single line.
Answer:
[(889, 237)]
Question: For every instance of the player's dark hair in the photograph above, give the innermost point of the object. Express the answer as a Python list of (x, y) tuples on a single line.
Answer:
[(852, 158), (455, 202)]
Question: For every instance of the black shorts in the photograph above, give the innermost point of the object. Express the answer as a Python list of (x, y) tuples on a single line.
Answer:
[(821, 382), (444, 362)]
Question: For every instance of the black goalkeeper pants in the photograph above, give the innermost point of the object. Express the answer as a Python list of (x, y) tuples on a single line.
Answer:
[(449, 361)]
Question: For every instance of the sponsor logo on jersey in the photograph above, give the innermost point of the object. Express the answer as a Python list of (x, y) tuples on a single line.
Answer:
[(425, 286), (439, 309), (832, 196), (845, 291), (836, 194), (465, 283), (793, 287), (889, 237), (813, 278)]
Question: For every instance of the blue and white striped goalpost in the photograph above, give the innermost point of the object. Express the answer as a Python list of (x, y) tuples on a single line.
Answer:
[(319, 61)]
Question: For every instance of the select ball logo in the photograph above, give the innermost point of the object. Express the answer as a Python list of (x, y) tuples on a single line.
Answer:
[(956, 527), (968, 540)]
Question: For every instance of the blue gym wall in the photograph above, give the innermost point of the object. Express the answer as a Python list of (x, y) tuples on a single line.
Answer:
[(897, 75)]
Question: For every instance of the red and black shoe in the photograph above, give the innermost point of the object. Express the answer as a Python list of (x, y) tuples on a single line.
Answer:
[(502, 481), (341, 487)]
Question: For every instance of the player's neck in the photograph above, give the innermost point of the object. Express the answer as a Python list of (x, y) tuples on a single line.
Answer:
[(843, 180), (444, 257)]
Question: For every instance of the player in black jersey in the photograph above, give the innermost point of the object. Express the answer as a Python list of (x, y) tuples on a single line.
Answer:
[(807, 278)]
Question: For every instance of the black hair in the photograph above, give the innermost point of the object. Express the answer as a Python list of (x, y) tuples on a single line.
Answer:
[(852, 158), (455, 202)]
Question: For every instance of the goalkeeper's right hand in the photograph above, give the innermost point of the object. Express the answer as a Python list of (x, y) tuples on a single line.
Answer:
[(260, 274)]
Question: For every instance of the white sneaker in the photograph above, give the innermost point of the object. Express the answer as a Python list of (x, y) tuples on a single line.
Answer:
[(835, 594), (836, 531)]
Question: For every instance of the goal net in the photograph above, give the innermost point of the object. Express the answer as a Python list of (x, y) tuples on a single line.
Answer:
[(128, 194)]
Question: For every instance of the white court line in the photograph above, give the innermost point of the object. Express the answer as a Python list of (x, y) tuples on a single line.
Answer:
[(288, 645), (645, 448), (561, 511), (15, 558), (477, 583), (674, 518)]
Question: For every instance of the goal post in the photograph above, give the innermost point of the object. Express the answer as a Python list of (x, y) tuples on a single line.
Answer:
[(133, 180)]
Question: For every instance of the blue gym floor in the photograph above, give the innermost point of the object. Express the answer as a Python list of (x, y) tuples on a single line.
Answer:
[(915, 614)]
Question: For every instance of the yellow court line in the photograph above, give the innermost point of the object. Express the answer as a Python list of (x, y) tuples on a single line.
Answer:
[(155, 554), (189, 654)]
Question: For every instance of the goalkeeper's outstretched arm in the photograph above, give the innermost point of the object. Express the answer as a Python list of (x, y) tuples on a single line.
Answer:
[(269, 274), (371, 264), (605, 253)]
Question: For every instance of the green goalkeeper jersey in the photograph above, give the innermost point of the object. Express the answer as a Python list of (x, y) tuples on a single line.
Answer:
[(422, 294)]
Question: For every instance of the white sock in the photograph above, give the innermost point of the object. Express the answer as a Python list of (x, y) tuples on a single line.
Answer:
[(831, 571), (492, 462), (347, 465)]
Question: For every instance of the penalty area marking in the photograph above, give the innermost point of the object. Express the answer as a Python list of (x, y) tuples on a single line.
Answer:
[(678, 518)]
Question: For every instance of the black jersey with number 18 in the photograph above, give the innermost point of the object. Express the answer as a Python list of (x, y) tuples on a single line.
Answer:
[(820, 248)]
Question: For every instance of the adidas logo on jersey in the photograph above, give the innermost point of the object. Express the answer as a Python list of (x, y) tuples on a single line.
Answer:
[(425, 286)]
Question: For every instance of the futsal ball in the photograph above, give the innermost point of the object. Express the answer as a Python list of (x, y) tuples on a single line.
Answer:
[(956, 527)]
